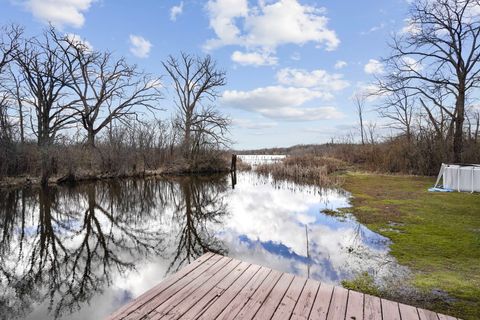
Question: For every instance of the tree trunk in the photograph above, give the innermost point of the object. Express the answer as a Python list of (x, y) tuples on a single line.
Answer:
[(458, 134), (91, 139), (187, 139), (477, 128), (20, 114), (361, 128)]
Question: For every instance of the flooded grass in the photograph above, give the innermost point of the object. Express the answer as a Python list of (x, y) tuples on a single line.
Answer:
[(434, 234), (306, 169)]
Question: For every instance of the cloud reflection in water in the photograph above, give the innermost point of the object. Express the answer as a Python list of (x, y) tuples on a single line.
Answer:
[(82, 252)]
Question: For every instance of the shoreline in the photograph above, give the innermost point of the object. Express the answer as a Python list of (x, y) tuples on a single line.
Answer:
[(34, 181)]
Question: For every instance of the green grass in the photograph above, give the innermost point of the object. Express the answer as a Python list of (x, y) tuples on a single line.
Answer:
[(437, 235)]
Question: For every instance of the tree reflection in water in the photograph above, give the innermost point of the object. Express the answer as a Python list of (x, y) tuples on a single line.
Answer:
[(200, 206), (63, 246)]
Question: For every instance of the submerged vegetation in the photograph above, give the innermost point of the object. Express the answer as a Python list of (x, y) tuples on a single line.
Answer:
[(305, 169)]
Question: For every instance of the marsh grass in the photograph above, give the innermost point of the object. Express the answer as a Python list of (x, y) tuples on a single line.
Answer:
[(308, 169)]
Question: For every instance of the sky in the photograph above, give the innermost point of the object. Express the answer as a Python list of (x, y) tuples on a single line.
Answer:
[(292, 65)]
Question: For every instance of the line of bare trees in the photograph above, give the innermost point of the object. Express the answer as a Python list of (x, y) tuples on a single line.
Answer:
[(428, 94), (56, 90)]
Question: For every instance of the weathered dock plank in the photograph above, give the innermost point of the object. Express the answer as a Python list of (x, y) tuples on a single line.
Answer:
[(217, 287)]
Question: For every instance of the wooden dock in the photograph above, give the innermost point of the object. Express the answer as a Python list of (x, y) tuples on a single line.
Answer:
[(217, 287)]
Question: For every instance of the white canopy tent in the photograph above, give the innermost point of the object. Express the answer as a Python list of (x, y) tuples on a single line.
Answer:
[(459, 177)]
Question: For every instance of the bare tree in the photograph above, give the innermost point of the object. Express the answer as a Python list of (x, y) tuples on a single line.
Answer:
[(6, 126), (359, 100), (46, 81), (398, 107), (440, 51), (9, 38), (372, 135), (9, 41), (196, 80), (106, 89)]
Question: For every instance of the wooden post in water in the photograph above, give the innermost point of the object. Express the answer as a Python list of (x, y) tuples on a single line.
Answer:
[(233, 167), (233, 170)]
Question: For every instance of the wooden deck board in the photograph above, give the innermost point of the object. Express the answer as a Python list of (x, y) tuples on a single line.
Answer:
[(372, 308), (273, 300), (170, 291), (216, 287), (145, 297), (216, 308), (354, 305), (338, 304), (390, 310), (241, 299), (193, 308), (305, 302), (285, 309), (322, 302), (255, 302), (193, 291)]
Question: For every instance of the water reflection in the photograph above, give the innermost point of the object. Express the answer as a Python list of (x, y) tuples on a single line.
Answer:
[(199, 206), (83, 251)]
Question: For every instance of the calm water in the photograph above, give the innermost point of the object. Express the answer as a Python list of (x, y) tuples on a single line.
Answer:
[(82, 252)]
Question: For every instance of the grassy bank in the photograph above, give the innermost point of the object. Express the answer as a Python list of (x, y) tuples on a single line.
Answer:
[(437, 235)]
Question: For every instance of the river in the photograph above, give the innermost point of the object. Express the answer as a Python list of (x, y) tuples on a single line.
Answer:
[(80, 252)]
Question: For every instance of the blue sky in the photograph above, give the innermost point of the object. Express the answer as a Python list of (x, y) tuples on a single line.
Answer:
[(292, 65)]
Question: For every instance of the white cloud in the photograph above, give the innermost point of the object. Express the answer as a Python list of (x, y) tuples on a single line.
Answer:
[(340, 64), (222, 20), (268, 25), (370, 91), (296, 56), (140, 47), (254, 58), (280, 102), (175, 11), (374, 28), (303, 114), (373, 67), (253, 124), (319, 79), (59, 12)]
